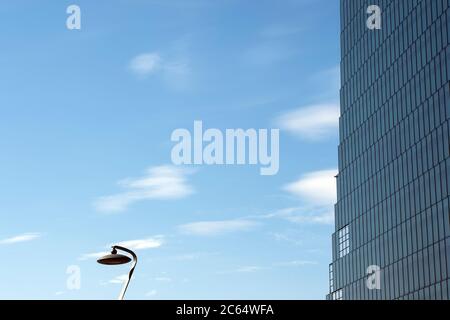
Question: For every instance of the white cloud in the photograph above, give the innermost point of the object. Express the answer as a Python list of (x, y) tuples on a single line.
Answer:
[(142, 244), (244, 269), (145, 64), (249, 269), (285, 237), (313, 122), (174, 71), (317, 188), (320, 215), (94, 255), (20, 238), (163, 182), (119, 279), (252, 269), (151, 293), (317, 191), (305, 215), (163, 279), (212, 228), (139, 244), (296, 263)]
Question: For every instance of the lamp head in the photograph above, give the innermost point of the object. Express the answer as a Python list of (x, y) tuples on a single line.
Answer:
[(114, 258)]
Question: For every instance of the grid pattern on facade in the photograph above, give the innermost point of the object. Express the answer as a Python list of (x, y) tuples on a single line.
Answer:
[(394, 152), (337, 295), (344, 241), (330, 275)]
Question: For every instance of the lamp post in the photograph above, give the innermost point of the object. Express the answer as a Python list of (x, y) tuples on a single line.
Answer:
[(116, 259)]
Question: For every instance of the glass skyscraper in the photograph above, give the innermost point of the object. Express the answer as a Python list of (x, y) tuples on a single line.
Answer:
[(392, 234)]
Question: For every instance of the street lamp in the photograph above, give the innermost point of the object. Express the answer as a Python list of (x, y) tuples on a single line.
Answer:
[(115, 259)]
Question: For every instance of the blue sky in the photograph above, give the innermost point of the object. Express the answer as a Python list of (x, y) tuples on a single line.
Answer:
[(87, 115)]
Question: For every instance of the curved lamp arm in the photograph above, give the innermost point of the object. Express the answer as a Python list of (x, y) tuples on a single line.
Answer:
[(130, 274)]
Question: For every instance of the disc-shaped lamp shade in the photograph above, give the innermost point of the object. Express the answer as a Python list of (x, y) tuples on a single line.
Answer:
[(114, 259)]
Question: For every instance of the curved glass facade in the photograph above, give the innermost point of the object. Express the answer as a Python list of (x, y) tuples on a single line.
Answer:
[(392, 238)]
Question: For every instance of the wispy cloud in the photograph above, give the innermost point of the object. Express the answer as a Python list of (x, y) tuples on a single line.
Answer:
[(256, 268), (119, 279), (317, 191), (286, 237), (244, 269), (317, 188), (214, 228), (145, 64), (151, 293), (20, 238), (296, 263), (163, 279), (163, 182), (313, 122), (139, 244), (305, 215), (93, 255), (249, 269), (315, 215), (142, 244), (175, 71)]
